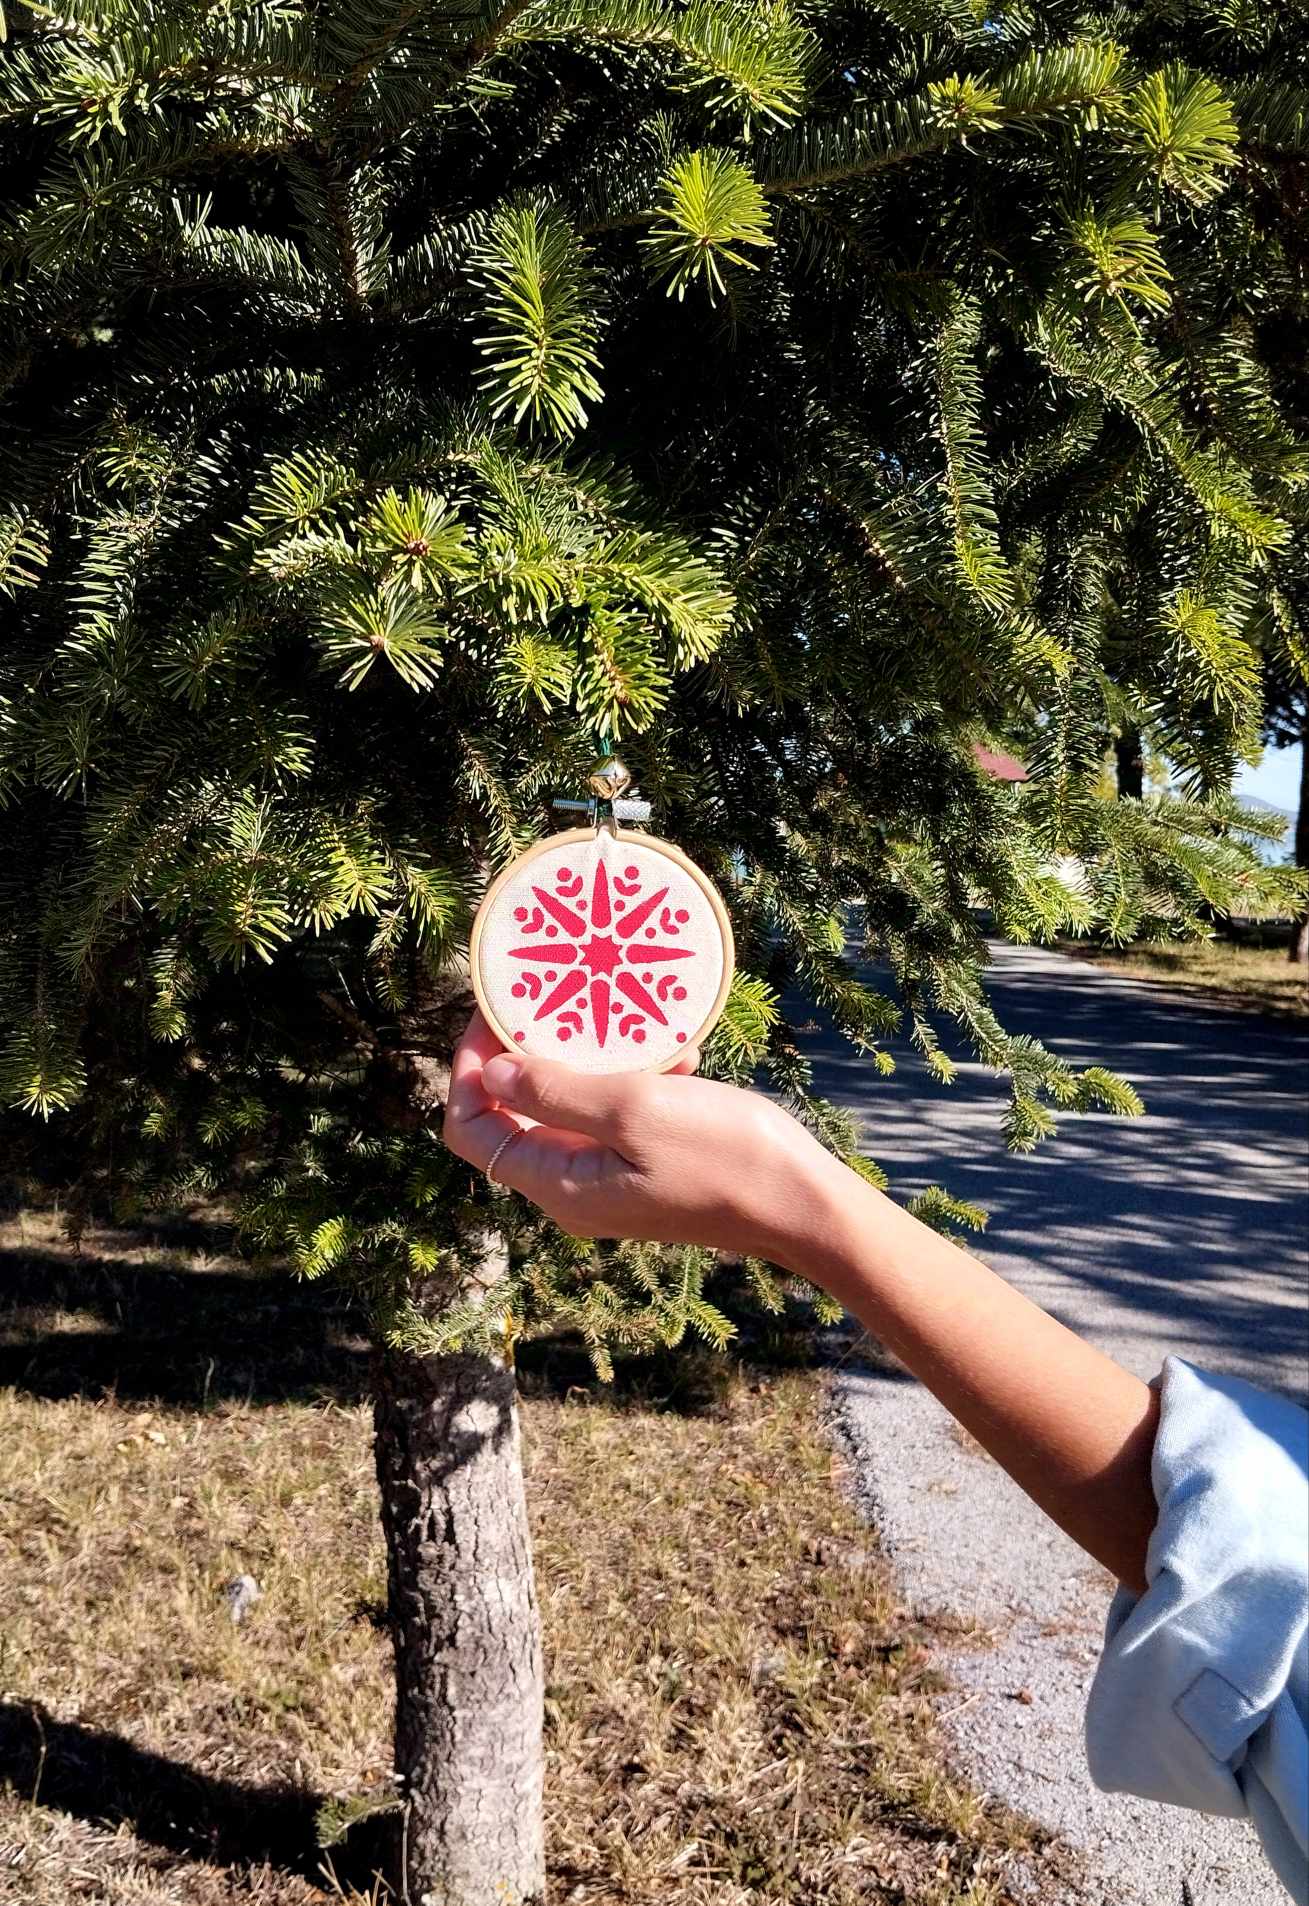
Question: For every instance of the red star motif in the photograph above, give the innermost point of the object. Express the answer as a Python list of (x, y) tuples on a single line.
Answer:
[(602, 956), (606, 947)]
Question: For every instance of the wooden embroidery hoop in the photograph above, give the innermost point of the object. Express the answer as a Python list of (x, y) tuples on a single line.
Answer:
[(589, 835)]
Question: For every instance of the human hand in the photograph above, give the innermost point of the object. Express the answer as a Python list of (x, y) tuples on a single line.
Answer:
[(660, 1156)]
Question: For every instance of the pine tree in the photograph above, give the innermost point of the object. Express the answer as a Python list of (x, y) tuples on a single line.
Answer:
[(399, 399)]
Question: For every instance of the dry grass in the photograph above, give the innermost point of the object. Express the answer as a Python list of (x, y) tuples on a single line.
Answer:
[(738, 1710), (1247, 975), (126, 1692)]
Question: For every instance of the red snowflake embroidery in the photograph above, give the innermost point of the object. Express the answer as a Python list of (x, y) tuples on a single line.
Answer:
[(589, 956)]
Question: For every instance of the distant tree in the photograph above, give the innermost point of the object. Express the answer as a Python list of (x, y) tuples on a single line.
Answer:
[(1282, 340), (399, 397), (1286, 725)]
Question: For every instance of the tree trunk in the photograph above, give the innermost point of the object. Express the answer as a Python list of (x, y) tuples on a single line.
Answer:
[(1131, 764), (466, 1631), (1300, 927)]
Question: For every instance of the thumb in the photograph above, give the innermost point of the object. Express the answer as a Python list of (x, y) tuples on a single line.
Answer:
[(599, 1105)]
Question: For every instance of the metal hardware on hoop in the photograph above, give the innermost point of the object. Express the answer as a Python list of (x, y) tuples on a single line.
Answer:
[(610, 781)]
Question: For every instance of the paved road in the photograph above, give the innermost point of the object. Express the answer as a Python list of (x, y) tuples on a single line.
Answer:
[(1186, 1231)]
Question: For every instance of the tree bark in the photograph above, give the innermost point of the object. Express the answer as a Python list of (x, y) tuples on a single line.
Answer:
[(1300, 928), (465, 1628), (1131, 764)]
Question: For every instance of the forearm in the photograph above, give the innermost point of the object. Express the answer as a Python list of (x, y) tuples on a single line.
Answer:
[(1072, 1427), (686, 1160)]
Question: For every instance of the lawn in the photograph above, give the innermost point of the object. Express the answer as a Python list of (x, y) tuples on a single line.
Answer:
[(739, 1708), (1248, 975)]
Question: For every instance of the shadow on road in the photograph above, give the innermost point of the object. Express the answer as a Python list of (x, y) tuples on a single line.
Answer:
[(1186, 1230)]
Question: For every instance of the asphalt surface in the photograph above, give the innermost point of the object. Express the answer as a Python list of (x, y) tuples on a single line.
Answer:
[(1185, 1231)]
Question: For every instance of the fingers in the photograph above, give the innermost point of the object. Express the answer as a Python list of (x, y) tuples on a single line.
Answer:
[(474, 1125), (478, 1043), (598, 1105), (477, 1138), (494, 1093), (552, 1168), (467, 1096)]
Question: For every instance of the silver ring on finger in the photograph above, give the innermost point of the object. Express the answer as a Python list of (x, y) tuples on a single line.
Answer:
[(498, 1154)]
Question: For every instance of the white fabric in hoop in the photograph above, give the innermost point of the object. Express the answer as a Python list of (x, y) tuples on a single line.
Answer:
[(602, 951)]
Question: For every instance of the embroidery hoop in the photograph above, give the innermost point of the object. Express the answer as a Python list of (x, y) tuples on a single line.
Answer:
[(650, 843)]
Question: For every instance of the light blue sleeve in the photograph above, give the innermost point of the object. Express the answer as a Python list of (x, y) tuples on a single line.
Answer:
[(1201, 1698)]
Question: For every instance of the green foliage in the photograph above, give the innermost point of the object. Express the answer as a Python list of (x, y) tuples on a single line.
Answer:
[(40, 1072), (944, 1212), (1180, 126), (1116, 256), (540, 354), (357, 468), (966, 478), (739, 1042), (24, 552), (336, 1817), (389, 624), (711, 207)]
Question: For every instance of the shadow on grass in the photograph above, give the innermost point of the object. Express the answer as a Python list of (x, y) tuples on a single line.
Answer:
[(689, 1380), (102, 1778), (186, 1338), (109, 1325)]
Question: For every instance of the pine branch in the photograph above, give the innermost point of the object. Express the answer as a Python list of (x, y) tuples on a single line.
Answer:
[(1072, 83)]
